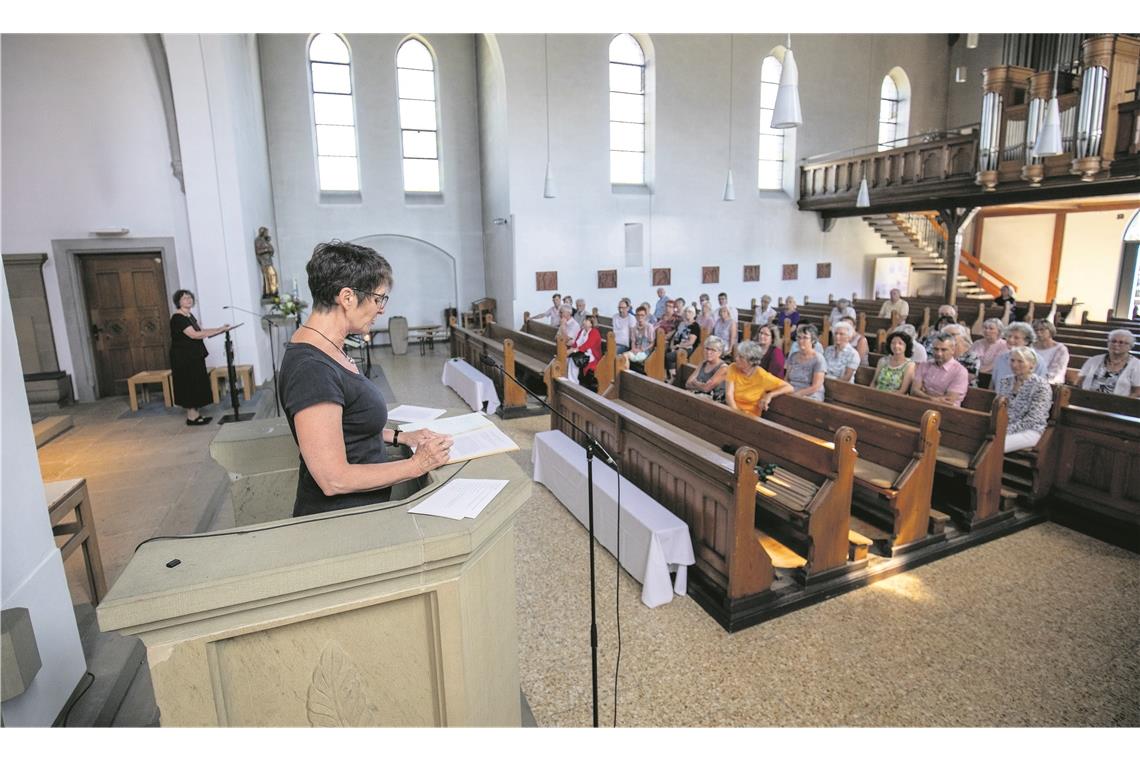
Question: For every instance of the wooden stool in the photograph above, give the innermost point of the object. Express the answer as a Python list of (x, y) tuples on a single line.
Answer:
[(162, 376), (244, 373), (65, 497)]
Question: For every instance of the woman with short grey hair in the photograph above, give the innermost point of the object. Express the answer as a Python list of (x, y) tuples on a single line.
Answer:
[(1054, 355), (842, 360), (708, 378), (806, 368), (962, 352), (988, 347), (1116, 372), (1016, 334), (1030, 398), (748, 386)]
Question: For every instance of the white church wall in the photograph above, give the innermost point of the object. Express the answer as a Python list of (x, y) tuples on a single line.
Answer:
[(85, 147), (451, 223), (1019, 247), (687, 224), (494, 156), (1090, 259), (32, 574), (221, 130)]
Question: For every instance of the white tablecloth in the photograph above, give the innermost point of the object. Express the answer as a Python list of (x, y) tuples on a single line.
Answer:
[(654, 541), (472, 385)]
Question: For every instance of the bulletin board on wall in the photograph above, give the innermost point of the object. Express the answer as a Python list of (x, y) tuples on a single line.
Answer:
[(891, 272)]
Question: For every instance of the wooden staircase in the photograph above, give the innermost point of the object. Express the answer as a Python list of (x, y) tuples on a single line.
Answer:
[(914, 235)]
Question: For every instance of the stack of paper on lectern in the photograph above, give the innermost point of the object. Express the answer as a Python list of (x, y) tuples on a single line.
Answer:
[(473, 436), (410, 413), (462, 497)]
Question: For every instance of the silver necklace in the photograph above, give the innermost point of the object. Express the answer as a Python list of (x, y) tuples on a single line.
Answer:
[(338, 348)]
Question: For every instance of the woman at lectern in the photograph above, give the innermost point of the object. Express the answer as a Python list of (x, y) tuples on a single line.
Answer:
[(188, 359), (336, 414)]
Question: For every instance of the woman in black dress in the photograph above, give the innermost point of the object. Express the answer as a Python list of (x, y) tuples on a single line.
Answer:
[(188, 359), (336, 414)]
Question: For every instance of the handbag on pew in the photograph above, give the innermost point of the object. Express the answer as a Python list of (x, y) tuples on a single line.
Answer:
[(580, 359)]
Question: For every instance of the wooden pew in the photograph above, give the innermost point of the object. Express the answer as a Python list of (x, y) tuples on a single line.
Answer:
[(970, 453), (894, 473), (806, 504), (470, 346), (540, 349), (1096, 468), (714, 493)]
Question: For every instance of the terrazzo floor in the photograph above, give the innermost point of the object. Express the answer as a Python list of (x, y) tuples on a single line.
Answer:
[(1041, 628)]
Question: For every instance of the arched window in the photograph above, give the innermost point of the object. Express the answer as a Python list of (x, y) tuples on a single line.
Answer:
[(770, 172), (894, 109), (334, 116), (419, 117), (627, 111)]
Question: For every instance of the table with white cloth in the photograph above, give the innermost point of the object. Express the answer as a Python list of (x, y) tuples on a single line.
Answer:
[(654, 541), (472, 385)]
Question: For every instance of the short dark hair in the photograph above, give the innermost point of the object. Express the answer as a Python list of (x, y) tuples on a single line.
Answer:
[(905, 339), (641, 310), (336, 265), (178, 297)]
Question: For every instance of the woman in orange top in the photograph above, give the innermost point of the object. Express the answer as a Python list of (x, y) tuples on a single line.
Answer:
[(748, 386)]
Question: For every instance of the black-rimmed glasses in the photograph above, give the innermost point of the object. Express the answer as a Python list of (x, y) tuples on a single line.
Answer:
[(380, 300)]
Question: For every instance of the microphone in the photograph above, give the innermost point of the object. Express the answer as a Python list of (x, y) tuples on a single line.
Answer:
[(487, 361), (247, 311)]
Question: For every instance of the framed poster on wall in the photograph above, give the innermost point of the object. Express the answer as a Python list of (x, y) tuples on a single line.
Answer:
[(891, 272)]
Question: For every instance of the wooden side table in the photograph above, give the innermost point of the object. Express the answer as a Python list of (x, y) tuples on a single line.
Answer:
[(244, 373), (64, 499), (161, 376)]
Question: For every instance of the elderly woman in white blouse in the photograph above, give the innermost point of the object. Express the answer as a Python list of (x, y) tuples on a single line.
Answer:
[(990, 345), (1117, 372), (842, 360), (1054, 355), (1030, 398)]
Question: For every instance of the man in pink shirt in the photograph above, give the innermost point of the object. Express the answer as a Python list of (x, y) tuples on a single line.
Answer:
[(941, 379)]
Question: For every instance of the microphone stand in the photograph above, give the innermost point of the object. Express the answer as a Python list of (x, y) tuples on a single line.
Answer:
[(272, 353), (592, 447)]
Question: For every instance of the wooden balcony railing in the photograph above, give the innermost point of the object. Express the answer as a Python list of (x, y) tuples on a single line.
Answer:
[(971, 267)]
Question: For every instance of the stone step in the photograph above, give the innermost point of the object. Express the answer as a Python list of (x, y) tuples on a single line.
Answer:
[(51, 427), (114, 661)]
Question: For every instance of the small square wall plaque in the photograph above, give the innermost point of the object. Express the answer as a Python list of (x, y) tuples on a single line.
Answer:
[(752, 273), (791, 271), (546, 280), (710, 275), (823, 271), (662, 276), (607, 278)]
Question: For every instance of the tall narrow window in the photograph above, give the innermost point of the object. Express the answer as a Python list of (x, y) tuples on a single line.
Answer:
[(627, 111), (888, 113), (770, 172), (419, 117), (333, 114)]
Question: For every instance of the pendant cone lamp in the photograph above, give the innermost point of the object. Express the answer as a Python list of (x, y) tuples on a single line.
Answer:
[(864, 198), (548, 187), (729, 187), (1049, 139), (786, 114)]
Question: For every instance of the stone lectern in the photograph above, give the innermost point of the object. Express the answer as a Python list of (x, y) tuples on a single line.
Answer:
[(363, 617)]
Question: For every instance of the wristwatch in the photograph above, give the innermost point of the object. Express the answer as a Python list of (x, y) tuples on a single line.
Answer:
[(396, 438)]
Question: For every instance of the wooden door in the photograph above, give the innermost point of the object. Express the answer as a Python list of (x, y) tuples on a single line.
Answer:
[(129, 316)]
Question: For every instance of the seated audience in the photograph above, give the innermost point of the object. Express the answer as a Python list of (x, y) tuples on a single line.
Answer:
[(669, 319), (773, 360), (895, 372), (942, 379), (805, 367), (649, 312), (842, 360), (641, 340), (764, 313), (708, 378), (1015, 334), (659, 309), (895, 305), (588, 345), (722, 301), (962, 352), (580, 308), (789, 318), (1006, 297), (858, 340), (939, 325), (842, 308), (706, 319), (1116, 372), (1030, 398), (569, 301), (987, 347), (687, 336), (1054, 355), (568, 326), (551, 314), (725, 328), (747, 387), (919, 350), (623, 322)]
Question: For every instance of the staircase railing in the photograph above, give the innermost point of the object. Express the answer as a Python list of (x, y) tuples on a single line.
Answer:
[(970, 266)]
